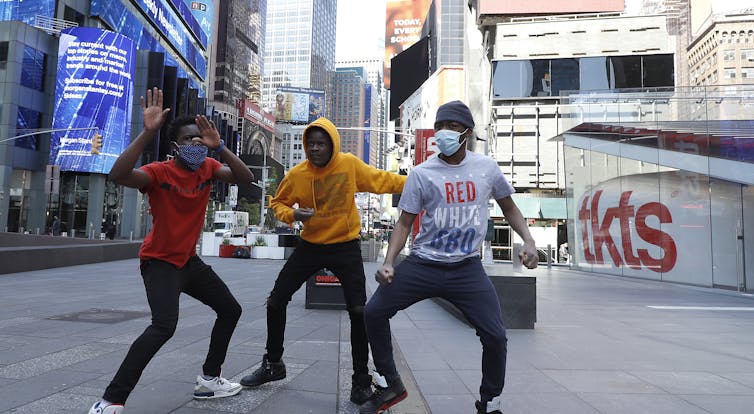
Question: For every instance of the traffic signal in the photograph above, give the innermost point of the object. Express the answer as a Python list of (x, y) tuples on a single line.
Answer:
[(96, 143)]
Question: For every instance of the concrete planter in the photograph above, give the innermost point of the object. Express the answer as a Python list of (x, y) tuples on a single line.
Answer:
[(226, 250), (369, 250), (267, 252)]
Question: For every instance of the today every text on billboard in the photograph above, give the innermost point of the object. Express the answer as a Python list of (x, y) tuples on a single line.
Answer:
[(94, 89)]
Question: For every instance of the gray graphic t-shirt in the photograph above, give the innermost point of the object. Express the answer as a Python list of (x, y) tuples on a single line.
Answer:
[(454, 200)]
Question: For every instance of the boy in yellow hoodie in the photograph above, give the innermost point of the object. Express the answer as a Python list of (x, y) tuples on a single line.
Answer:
[(323, 187)]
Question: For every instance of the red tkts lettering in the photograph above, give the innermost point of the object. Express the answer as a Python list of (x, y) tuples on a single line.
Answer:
[(624, 212)]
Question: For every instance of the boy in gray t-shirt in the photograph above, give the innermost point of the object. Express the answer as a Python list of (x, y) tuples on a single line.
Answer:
[(451, 191)]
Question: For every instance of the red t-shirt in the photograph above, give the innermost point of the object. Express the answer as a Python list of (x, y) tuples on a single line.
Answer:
[(178, 199)]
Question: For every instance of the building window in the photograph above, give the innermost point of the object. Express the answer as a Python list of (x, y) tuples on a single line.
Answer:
[(3, 51), (729, 55), (729, 73), (747, 55), (545, 77), (32, 69), (747, 73), (27, 119)]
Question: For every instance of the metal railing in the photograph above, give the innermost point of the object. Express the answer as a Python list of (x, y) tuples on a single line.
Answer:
[(52, 25)]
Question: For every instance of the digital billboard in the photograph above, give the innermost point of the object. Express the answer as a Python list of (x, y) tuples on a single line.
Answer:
[(26, 10), (94, 88), (299, 105), (403, 26), (203, 12), (518, 7), (115, 14)]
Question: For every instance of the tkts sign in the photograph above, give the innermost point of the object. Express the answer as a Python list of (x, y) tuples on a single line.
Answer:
[(633, 219), (644, 224)]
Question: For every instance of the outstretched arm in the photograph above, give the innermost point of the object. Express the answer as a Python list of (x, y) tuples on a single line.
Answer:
[(123, 171)]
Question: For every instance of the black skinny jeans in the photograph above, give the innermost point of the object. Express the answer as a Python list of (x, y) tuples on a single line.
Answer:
[(164, 284), (344, 260)]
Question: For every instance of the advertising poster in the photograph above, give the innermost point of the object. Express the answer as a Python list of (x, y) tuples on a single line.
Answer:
[(299, 105), (26, 10), (403, 26), (94, 88)]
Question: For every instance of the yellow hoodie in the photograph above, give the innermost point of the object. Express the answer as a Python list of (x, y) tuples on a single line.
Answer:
[(330, 190)]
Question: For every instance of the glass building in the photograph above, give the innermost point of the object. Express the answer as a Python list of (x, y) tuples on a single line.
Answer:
[(669, 197), (171, 43), (300, 46)]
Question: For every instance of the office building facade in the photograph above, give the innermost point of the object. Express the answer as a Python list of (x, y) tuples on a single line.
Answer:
[(165, 44), (299, 46)]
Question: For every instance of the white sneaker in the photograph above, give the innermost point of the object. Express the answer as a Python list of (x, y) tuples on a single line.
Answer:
[(106, 408), (217, 387)]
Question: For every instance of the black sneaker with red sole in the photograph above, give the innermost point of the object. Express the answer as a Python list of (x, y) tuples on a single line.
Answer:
[(384, 397)]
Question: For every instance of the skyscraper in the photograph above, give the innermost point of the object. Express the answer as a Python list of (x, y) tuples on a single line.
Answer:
[(300, 45), (240, 40)]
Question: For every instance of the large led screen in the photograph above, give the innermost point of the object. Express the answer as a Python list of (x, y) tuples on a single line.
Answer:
[(202, 12), (94, 88), (299, 105), (403, 26), (124, 22), (26, 10)]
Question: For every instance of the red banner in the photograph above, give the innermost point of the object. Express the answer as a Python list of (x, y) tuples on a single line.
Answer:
[(252, 112)]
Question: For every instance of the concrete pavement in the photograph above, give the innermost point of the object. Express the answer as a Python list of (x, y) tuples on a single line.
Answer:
[(602, 344)]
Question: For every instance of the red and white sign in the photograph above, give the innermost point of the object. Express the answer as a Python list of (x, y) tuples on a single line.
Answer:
[(646, 225), (255, 114), (424, 145)]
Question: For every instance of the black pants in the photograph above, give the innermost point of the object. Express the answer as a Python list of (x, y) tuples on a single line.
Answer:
[(164, 284), (344, 260)]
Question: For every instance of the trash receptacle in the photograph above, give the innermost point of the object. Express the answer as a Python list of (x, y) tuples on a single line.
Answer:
[(323, 291)]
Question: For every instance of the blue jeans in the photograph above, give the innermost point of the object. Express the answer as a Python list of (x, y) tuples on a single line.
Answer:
[(465, 285)]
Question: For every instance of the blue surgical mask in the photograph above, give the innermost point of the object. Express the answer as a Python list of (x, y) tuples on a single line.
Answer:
[(447, 141), (192, 155)]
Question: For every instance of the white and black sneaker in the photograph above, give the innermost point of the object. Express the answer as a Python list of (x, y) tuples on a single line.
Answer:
[(102, 407), (217, 387)]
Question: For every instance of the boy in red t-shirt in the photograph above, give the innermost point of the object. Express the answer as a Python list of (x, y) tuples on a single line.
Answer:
[(178, 193)]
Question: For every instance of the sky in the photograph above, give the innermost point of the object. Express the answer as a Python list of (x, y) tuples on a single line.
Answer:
[(361, 29)]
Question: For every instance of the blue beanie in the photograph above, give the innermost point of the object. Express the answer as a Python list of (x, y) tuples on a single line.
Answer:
[(455, 111)]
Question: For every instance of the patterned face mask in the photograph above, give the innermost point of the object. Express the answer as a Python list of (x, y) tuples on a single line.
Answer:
[(192, 155)]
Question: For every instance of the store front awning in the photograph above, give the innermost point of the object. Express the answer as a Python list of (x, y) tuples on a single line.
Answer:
[(721, 149), (536, 207), (553, 208)]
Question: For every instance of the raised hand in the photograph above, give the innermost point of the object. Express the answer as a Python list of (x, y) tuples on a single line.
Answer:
[(152, 112), (208, 131)]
